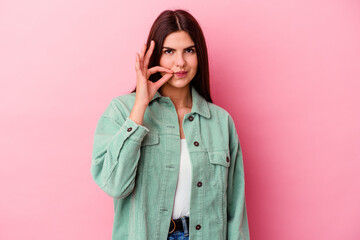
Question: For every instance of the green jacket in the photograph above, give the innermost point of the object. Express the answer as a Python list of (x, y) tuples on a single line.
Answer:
[(138, 166)]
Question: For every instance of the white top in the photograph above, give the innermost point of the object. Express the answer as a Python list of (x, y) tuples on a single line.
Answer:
[(183, 188)]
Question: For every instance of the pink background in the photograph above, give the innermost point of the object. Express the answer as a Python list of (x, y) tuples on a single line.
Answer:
[(287, 71)]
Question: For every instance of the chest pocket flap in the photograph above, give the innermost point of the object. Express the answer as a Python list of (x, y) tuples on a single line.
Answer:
[(220, 157), (151, 138)]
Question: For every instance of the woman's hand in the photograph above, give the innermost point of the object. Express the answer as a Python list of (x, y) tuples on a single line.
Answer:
[(146, 89)]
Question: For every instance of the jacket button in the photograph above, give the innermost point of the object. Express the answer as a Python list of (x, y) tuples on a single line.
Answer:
[(199, 184), (227, 159), (129, 129), (191, 118), (196, 143), (198, 227)]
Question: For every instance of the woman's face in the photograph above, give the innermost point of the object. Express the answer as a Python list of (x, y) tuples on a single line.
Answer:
[(179, 54)]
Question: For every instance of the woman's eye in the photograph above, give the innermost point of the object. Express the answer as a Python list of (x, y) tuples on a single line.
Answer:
[(189, 50), (167, 51)]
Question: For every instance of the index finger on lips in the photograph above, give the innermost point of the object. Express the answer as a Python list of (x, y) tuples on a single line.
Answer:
[(160, 69), (163, 80)]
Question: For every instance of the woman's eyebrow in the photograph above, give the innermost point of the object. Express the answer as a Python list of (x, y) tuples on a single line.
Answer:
[(184, 48)]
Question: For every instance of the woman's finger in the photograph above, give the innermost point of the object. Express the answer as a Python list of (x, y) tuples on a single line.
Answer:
[(137, 63), (148, 54), (142, 53), (139, 73), (159, 69), (162, 80)]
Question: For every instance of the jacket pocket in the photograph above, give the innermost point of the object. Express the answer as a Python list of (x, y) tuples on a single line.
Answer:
[(220, 157), (149, 146), (219, 163), (151, 138)]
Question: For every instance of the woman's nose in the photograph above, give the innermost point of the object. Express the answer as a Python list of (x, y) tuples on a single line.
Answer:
[(180, 61)]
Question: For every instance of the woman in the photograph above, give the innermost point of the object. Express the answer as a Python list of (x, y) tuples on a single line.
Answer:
[(169, 157)]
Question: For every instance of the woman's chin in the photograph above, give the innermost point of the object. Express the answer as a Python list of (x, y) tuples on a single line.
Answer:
[(178, 82)]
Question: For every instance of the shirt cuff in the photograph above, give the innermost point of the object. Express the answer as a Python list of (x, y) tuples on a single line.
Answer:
[(135, 132)]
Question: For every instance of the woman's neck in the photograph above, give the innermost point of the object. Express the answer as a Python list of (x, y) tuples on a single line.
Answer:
[(181, 97)]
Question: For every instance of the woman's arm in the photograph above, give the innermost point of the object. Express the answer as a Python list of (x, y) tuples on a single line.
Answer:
[(118, 136), (116, 152), (236, 212)]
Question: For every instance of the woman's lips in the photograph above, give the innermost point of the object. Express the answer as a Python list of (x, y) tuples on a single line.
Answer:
[(181, 74)]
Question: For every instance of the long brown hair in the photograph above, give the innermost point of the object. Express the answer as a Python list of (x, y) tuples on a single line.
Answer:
[(170, 21)]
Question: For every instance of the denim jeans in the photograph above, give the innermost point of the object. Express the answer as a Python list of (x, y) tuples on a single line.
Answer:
[(180, 235)]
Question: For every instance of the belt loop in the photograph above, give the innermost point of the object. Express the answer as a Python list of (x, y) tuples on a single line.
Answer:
[(174, 226), (185, 227)]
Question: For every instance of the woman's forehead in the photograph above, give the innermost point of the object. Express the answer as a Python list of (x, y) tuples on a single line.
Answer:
[(178, 40)]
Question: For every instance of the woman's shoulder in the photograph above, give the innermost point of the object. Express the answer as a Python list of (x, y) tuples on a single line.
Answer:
[(222, 115), (125, 98), (121, 104), (216, 110)]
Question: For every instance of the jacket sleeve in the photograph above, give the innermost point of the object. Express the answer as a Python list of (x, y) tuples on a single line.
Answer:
[(237, 220), (116, 151)]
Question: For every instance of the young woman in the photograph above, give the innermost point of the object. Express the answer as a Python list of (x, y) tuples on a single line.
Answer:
[(169, 157)]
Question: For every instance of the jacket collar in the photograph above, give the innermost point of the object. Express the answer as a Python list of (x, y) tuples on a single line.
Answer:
[(199, 104)]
